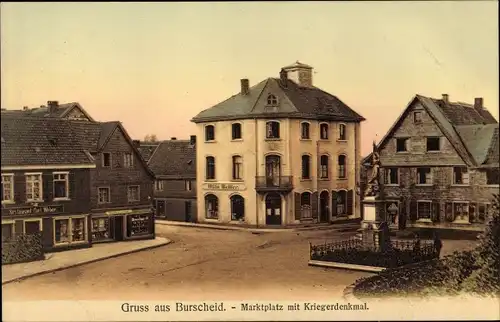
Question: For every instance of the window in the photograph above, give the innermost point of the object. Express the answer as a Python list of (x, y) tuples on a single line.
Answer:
[(433, 144), (7, 230), (461, 211), (209, 133), (128, 160), (101, 229), (401, 144), (69, 230), (138, 225), (392, 176), (460, 175), (103, 195), (236, 131), (272, 100), (272, 130), (34, 187), (237, 207), (417, 117), (210, 168), (211, 207), (323, 131), (306, 167), (340, 203), (424, 176), (493, 176), (133, 193), (324, 167), (424, 209), (305, 205), (32, 226), (61, 185), (237, 168), (482, 212), (7, 188), (342, 132), (106, 159), (159, 185), (188, 185), (305, 131), (342, 166)]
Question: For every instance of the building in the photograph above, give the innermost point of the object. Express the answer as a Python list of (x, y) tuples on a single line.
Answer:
[(77, 182), (282, 152), (67, 111), (440, 164), (174, 164)]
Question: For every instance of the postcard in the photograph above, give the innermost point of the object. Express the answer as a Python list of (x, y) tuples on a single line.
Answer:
[(253, 161)]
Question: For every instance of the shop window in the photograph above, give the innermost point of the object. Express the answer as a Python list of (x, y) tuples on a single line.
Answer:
[(34, 187), (61, 185), (101, 229), (138, 225), (69, 230), (237, 208), (7, 188), (211, 207)]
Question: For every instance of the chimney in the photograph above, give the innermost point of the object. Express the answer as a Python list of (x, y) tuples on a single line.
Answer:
[(52, 105), (192, 140), (284, 77), (173, 138), (245, 86), (136, 143), (446, 98), (25, 108), (300, 73), (478, 102)]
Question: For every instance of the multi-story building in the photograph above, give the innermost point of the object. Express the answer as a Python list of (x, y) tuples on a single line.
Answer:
[(281, 152), (174, 164), (77, 182), (440, 164), (67, 111)]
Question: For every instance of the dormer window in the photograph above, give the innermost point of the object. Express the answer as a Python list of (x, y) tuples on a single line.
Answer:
[(272, 100)]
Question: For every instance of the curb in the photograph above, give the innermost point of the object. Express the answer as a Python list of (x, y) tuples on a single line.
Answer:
[(353, 267), (17, 279)]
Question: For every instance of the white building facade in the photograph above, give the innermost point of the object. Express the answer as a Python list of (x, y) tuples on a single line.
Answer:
[(280, 153)]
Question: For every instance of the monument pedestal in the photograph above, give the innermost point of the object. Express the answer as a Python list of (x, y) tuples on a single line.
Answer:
[(374, 229)]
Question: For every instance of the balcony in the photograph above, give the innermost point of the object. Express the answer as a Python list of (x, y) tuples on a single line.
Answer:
[(274, 184)]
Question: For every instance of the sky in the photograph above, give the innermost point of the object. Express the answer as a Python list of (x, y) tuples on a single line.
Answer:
[(154, 66)]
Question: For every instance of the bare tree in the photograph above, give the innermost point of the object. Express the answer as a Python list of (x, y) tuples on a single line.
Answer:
[(151, 138)]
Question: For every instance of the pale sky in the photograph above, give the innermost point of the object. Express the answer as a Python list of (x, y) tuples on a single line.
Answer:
[(154, 66)]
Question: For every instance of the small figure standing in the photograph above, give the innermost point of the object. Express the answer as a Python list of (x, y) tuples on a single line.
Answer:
[(438, 244)]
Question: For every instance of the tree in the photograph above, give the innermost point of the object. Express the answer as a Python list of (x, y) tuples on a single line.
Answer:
[(486, 279), (151, 138)]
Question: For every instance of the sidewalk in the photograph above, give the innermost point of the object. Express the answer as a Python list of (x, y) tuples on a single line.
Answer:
[(71, 258), (335, 226)]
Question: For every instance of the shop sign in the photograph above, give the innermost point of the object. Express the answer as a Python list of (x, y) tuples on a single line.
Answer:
[(118, 212), (25, 211), (224, 186)]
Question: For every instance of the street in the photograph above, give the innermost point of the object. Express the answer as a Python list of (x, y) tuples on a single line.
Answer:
[(200, 264)]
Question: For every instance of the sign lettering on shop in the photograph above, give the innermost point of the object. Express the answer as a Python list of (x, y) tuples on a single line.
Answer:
[(224, 186), (34, 210)]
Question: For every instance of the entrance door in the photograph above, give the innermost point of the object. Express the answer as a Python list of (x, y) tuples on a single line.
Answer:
[(273, 209), (160, 208), (119, 228), (187, 210), (324, 211), (273, 170)]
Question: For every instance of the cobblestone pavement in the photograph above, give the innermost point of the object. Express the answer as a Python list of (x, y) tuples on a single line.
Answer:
[(204, 264)]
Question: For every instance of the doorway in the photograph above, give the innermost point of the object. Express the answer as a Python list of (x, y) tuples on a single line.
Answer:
[(187, 210), (273, 209), (324, 210), (118, 228)]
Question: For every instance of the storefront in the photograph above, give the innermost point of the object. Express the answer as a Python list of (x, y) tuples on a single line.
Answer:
[(117, 225)]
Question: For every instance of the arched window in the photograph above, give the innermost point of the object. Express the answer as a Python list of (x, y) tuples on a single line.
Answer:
[(210, 168), (342, 132), (211, 207), (305, 205), (272, 100), (209, 133), (237, 167), (305, 130), (324, 166), (342, 166), (272, 130), (237, 207), (323, 131), (306, 167), (236, 131)]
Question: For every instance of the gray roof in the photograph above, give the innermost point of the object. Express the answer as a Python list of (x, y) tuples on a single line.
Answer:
[(174, 159), (43, 111), (478, 139), (147, 149), (294, 102)]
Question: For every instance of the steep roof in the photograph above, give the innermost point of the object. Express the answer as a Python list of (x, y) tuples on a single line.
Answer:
[(61, 111), (305, 102), (147, 149), (174, 159), (31, 140), (470, 130)]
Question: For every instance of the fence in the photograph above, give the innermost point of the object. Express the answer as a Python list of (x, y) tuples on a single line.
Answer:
[(22, 248)]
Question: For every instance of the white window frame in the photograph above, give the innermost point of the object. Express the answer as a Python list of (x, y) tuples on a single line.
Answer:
[(109, 195), (430, 211), (460, 221), (159, 185), (70, 229), (232, 132), (236, 175), (40, 221), (12, 200), (388, 177), (65, 173), (272, 100), (188, 185), (41, 185), (128, 160), (431, 177), (138, 193), (466, 180)]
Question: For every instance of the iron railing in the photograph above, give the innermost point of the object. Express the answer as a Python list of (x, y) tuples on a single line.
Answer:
[(274, 183)]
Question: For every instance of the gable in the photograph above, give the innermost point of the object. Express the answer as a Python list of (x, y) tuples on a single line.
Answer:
[(284, 104), (75, 113)]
